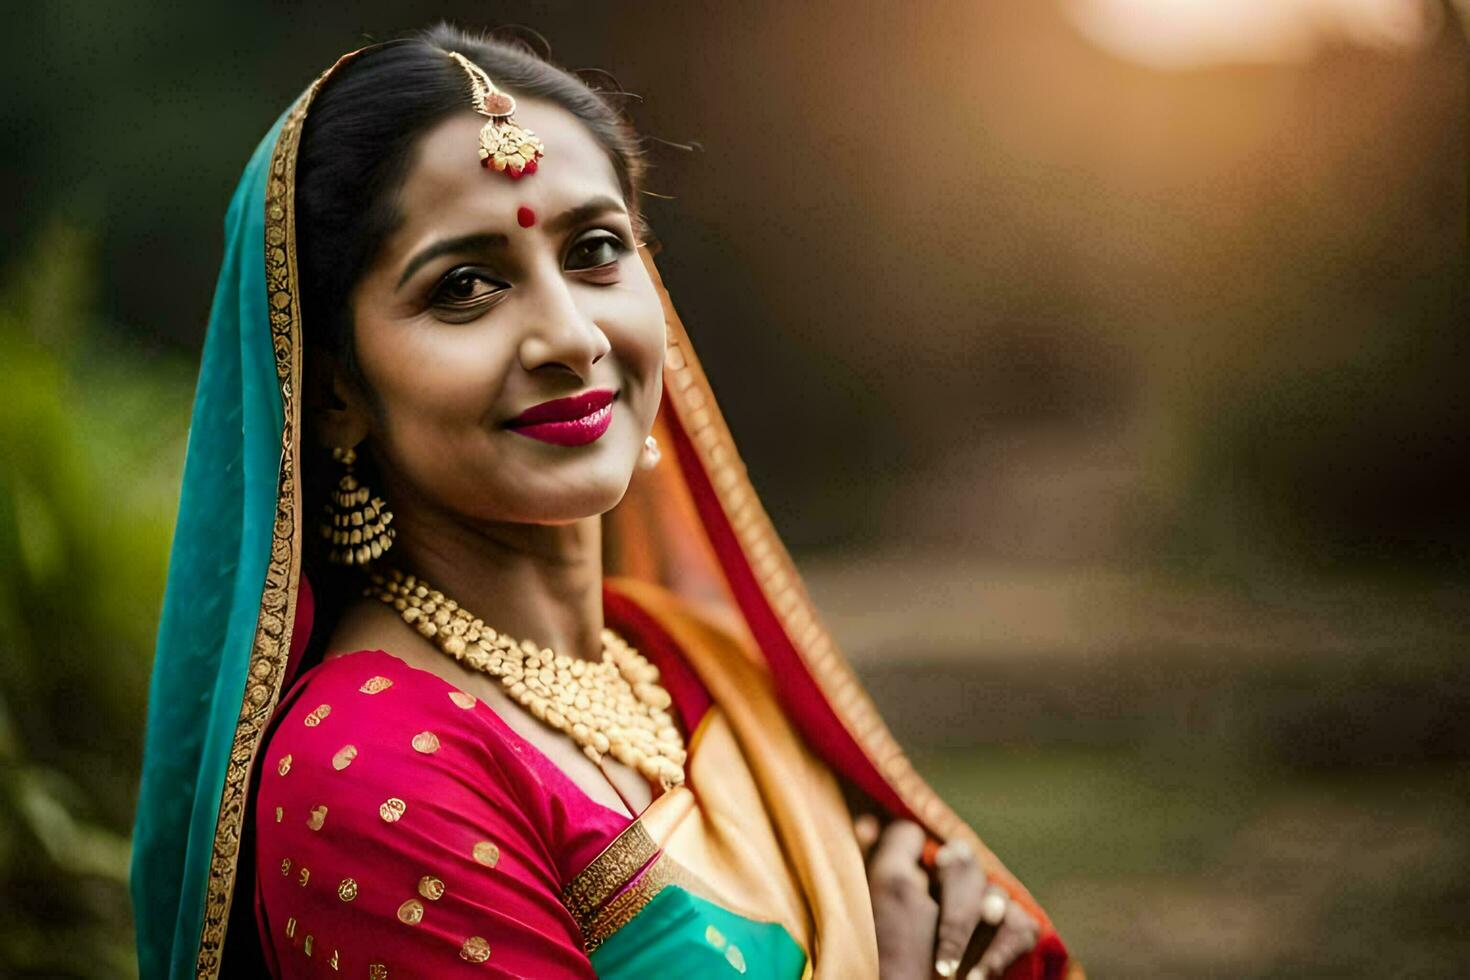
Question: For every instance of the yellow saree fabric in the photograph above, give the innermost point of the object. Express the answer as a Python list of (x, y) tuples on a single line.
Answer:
[(765, 827)]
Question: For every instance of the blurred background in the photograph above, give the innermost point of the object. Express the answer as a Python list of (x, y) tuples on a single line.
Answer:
[(1102, 361)]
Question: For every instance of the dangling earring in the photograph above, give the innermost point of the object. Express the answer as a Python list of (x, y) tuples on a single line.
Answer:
[(651, 454), (357, 528)]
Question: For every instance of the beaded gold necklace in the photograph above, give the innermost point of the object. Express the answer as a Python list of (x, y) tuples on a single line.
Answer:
[(614, 707)]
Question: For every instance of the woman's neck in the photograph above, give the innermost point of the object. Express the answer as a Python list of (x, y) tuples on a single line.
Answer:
[(529, 581)]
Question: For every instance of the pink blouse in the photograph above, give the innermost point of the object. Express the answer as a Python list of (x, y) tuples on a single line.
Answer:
[(403, 829)]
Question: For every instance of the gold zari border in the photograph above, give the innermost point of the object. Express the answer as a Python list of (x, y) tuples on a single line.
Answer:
[(689, 389), (622, 910), (271, 647), (609, 871)]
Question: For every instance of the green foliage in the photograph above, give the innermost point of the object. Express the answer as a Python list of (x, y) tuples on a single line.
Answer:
[(92, 443)]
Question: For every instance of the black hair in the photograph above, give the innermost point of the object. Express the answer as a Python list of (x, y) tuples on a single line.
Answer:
[(357, 146)]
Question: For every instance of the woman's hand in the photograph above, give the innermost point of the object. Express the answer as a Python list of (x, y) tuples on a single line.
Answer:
[(921, 937)]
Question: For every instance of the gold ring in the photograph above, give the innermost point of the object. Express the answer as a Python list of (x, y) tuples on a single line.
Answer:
[(993, 905)]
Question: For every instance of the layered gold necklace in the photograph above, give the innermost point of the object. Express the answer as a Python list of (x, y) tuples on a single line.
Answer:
[(614, 707)]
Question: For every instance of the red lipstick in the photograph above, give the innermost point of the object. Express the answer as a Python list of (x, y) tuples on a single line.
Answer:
[(573, 421)]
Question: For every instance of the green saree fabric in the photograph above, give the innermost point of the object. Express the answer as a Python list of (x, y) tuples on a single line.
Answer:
[(657, 942)]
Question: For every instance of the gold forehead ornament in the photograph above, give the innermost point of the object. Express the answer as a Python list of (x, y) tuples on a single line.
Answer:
[(505, 145)]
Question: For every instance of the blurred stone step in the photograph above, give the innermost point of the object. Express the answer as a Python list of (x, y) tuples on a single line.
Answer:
[(959, 653)]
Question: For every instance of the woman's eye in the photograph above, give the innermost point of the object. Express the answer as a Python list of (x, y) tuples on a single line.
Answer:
[(590, 253), (463, 287)]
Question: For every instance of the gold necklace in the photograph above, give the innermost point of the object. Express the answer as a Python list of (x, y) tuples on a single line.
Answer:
[(614, 707)]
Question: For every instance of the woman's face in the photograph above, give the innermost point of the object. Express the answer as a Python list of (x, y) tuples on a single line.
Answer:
[(496, 295)]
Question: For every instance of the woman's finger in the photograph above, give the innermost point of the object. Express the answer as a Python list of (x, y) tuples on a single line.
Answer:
[(897, 851), (961, 896), (1015, 937), (903, 912)]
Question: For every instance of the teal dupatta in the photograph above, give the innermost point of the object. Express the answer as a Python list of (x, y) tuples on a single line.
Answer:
[(218, 570)]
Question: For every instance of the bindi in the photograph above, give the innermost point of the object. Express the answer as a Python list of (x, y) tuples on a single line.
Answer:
[(525, 217)]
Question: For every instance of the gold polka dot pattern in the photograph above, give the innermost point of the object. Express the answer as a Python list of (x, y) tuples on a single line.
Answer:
[(411, 912), (475, 950), (486, 853), (735, 958), (375, 685)]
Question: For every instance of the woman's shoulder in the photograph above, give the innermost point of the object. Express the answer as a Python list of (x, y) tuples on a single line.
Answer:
[(365, 739), (383, 738), (389, 798), (368, 719), (360, 683)]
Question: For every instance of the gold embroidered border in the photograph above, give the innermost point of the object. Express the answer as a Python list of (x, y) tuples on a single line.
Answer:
[(271, 646), (609, 871), (621, 910), (694, 402)]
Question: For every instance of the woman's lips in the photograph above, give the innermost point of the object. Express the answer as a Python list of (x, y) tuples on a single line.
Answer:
[(573, 421)]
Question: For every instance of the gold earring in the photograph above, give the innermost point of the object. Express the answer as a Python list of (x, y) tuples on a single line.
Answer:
[(651, 454), (358, 528)]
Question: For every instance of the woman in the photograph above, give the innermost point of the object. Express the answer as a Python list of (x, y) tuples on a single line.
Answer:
[(455, 677)]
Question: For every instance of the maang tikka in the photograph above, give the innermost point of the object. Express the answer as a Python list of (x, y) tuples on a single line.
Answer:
[(505, 145)]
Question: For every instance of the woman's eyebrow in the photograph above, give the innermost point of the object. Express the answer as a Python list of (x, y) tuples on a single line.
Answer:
[(580, 213), (490, 241), (479, 241)]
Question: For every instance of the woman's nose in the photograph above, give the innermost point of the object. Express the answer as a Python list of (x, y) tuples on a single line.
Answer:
[(560, 331)]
